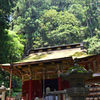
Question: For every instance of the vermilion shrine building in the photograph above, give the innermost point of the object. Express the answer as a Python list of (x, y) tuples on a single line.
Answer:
[(42, 67)]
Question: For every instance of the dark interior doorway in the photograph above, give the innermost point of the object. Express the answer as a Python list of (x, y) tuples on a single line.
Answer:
[(52, 84)]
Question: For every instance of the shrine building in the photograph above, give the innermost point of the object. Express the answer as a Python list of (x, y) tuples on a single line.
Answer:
[(41, 68)]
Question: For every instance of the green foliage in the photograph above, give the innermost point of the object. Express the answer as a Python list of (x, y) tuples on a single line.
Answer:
[(10, 43), (5, 10), (12, 47), (16, 86), (13, 93), (26, 19), (87, 12), (55, 22), (59, 26), (93, 45), (15, 46), (16, 83)]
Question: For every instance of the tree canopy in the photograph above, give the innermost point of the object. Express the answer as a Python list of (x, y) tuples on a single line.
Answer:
[(55, 22), (58, 28)]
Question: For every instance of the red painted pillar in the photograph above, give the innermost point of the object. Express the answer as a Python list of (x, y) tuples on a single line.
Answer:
[(59, 83), (40, 89), (30, 89)]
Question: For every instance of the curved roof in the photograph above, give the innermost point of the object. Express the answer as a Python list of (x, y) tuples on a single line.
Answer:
[(52, 59)]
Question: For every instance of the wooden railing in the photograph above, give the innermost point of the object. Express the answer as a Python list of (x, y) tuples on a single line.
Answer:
[(58, 95)]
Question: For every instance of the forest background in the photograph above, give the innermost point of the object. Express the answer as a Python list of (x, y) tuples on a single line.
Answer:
[(28, 24)]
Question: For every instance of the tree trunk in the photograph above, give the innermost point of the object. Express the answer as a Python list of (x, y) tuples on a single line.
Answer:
[(87, 22), (90, 27)]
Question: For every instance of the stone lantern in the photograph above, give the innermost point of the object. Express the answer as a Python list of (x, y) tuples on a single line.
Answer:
[(3, 90), (76, 76)]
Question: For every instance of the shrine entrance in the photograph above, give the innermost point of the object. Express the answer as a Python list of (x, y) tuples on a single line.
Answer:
[(52, 84)]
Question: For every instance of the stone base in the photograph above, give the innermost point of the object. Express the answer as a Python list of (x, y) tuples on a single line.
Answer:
[(77, 92)]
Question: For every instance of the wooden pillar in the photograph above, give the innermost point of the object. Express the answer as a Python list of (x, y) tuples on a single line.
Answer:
[(40, 89), (22, 89), (43, 82), (10, 79), (30, 83), (30, 89), (59, 78), (60, 97), (59, 83)]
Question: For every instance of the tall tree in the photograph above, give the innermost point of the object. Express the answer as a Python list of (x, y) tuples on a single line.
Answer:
[(87, 12), (25, 18), (15, 46), (93, 44), (57, 28), (10, 43), (41, 28), (5, 9)]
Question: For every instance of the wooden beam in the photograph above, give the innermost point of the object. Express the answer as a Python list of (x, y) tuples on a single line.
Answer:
[(10, 80)]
